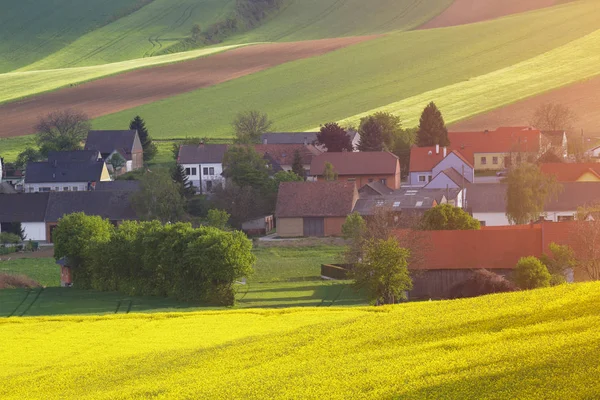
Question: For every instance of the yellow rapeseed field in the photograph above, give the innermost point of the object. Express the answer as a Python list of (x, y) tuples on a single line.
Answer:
[(542, 344)]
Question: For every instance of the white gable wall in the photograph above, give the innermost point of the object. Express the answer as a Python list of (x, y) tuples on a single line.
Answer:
[(441, 181), (453, 161), (34, 230)]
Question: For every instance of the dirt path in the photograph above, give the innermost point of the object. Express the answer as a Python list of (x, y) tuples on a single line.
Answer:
[(580, 97), (469, 11), (135, 88)]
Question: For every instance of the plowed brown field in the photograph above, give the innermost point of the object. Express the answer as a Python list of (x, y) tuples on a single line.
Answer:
[(131, 89), (582, 98), (469, 11)]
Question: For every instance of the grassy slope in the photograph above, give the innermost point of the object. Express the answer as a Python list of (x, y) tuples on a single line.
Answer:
[(316, 19), (141, 34), (306, 93), (285, 277), (32, 29), (536, 345), (15, 85)]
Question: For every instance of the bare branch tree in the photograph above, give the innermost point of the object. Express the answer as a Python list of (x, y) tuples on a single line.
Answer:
[(62, 130), (248, 126), (553, 117), (585, 235)]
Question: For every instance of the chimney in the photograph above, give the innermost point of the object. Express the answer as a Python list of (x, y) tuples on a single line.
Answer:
[(437, 149), (445, 151)]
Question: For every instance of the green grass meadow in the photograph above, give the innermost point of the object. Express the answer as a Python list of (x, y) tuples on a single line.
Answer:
[(399, 67), (284, 277)]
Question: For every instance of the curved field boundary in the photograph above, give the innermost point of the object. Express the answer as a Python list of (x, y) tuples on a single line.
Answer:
[(463, 12), (135, 88), (580, 97)]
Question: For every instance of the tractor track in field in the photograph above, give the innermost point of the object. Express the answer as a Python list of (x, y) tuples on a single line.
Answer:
[(135, 88)]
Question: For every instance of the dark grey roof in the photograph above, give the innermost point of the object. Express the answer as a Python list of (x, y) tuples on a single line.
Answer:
[(492, 197), (455, 176), (113, 205), (23, 207), (405, 198), (375, 188), (203, 153), (289, 138), (107, 141), (7, 188), (45, 172), (73, 156), (125, 185)]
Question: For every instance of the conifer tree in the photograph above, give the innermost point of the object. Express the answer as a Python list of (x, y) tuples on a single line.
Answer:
[(432, 129), (297, 166), (371, 137), (185, 186), (139, 125)]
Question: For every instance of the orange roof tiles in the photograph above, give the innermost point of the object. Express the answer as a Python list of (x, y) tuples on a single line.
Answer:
[(421, 159), (570, 172), (502, 140)]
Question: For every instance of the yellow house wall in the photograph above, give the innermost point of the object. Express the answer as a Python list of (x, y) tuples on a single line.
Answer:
[(588, 177), (290, 227), (490, 158), (105, 175)]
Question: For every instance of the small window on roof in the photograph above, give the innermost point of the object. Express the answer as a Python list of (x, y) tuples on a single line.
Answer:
[(396, 204), (380, 203), (419, 204)]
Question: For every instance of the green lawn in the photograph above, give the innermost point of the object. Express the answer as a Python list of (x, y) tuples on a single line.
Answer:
[(156, 26), (316, 19), (32, 29), (407, 65), (284, 277)]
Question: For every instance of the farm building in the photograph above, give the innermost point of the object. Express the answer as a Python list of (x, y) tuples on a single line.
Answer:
[(426, 163), (126, 143), (259, 226), (314, 208), (203, 165)]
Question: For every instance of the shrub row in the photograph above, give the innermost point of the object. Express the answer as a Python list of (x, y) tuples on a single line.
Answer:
[(148, 258)]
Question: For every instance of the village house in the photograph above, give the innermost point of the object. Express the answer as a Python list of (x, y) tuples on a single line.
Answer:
[(449, 168), (314, 208), (360, 167), (66, 171), (281, 156), (126, 143), (203, 165), (572, 172), (499, 149), (487, 202), (304, 138)]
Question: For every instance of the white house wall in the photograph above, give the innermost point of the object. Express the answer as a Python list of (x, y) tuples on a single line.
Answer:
[(492, 219), (34, 230), (453, 161), (35, 187), (413, 178), (442, 181), (199, 180)]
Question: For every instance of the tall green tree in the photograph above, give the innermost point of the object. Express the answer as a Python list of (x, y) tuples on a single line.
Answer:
[(528, 190), (117, 161), (149, 147), (334, 138), (248, 126), (159, 198), (560, 259), (181, 179), (218, 219), (329, 173), (432, 128), (445, 217), (63, 130), (383, 272), (26, 156), (245, 167), (371, 135), (297, 166)]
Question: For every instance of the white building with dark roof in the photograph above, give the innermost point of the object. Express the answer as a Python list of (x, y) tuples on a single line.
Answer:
[(203, 165)]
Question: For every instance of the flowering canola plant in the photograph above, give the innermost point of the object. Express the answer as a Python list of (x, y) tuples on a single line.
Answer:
[(540, 344)]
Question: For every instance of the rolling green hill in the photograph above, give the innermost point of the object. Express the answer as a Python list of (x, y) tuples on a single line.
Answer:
[(306, 93), (31, 30), (141, 34), (317, 19), (529, 345)]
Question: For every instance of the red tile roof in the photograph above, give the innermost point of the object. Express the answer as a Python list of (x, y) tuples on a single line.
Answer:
[(315, 199), (570, 172), (421, 160), (490, 248), (502, 140), (356, 163), (283, 154)]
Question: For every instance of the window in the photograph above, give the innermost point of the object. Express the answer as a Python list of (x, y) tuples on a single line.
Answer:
[(562, 218), (483, 160), (188, 171), (351, 179), (396, 204), (75, 188), (31, 189), (65, 189), (211, 171), (422, 178), (44, 189), (205, 171), (495, 160), (384, 181), (429, 178), (57, 189), (193, 171), (482, 223)]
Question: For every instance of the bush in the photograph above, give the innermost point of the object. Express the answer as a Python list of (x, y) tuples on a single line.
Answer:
[(9, 238), (530, 273), (17, 282), (480, 283)]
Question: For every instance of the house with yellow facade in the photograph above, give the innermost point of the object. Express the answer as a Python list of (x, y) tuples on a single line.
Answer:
[(499, 149), (573, 172)]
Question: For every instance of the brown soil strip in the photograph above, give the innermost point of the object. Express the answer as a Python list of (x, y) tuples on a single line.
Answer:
[(135, 88), (469, 11), (582, 98)]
